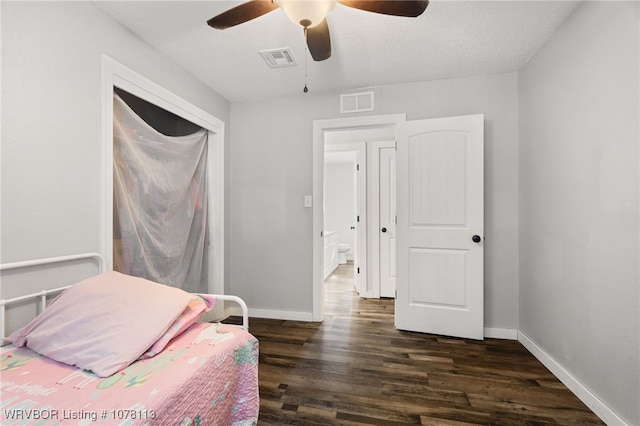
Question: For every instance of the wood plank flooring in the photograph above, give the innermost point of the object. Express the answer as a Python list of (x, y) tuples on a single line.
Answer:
[(355, 368)]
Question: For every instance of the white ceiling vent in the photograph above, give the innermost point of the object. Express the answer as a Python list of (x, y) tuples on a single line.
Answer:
[(278, 58), (356, 102)]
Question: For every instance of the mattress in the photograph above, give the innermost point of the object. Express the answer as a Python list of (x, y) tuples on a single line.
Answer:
[(205, 376)]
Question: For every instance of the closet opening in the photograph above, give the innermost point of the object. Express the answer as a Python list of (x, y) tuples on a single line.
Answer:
[(118, 78), (163, 121), (160, 219)]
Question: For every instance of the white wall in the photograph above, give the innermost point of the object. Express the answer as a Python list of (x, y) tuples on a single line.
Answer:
[(340, 201), (51, 121), (579, 295), (270, 230), (271, 170)]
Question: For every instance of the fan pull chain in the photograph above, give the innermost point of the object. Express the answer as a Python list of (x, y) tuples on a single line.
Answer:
[(306, 89)]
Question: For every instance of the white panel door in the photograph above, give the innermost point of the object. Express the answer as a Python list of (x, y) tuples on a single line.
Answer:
[(387, 218), (440, 206)]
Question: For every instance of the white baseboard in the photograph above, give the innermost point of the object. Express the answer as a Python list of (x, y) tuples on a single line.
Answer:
[(235, 310), (585, 395), (501, 333), (272, 314)]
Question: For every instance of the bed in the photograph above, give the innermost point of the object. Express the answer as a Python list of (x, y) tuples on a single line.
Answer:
[(119, 350)]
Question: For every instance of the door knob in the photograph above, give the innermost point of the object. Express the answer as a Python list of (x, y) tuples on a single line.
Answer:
[(476, 238), (384, 229)]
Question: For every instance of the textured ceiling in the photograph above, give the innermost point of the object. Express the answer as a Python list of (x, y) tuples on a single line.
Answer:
[(451, 39)]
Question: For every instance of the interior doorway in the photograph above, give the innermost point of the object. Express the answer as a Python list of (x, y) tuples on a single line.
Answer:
[(360, 166), (440, 187), (344, 207), (347, 130)]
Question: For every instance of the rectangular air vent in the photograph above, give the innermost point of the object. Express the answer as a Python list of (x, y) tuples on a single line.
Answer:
[(356, 102), (278, 58)]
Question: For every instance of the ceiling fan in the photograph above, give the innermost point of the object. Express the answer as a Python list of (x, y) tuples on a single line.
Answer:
[(311, 16)]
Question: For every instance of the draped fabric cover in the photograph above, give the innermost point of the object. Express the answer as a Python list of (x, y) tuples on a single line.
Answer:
[(160, 203)]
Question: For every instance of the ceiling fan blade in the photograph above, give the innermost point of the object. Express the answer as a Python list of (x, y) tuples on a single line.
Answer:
[(242, 13), (409, 8), (319, 41)]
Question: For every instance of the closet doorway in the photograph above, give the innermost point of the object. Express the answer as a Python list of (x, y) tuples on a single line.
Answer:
[(160, 195), (117, 76)]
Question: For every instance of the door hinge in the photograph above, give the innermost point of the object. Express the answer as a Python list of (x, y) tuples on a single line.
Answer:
[(358, 167), (396, 220), (321, 233), (358, 269), (395, 144), (396, 294), (358, 218)]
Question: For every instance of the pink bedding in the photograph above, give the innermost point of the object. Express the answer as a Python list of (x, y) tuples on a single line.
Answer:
[(104, 323), (206, 376)]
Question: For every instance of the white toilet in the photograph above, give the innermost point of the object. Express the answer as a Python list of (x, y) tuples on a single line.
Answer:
[(342, 253)]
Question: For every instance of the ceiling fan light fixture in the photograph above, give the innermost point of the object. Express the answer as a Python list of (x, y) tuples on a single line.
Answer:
[(306, 13), (311, 15)]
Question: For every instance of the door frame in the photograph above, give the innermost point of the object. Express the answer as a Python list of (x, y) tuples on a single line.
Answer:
[(114, 74), (320, 127)]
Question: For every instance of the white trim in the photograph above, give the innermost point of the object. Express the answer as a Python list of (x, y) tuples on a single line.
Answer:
[(373, 210), (280, 315), (319, 129), (115, 74), (594, 403), (501, 333), (215, 209)]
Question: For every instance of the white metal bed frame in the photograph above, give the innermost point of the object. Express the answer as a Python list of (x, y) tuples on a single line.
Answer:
[(102, 267)]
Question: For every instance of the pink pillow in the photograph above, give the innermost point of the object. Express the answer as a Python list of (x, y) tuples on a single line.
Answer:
[(104, 323), (190, 315)]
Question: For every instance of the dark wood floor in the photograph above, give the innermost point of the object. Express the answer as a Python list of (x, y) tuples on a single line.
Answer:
[(355, 368)]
